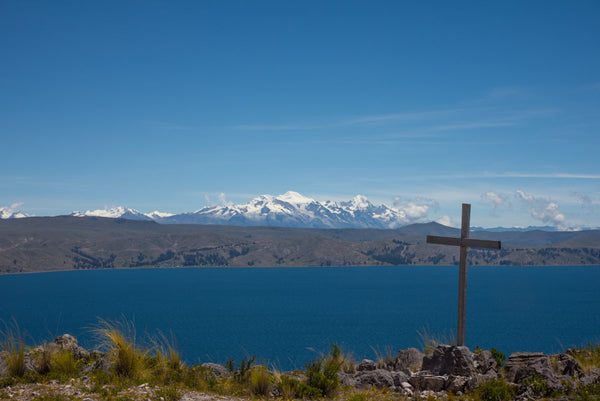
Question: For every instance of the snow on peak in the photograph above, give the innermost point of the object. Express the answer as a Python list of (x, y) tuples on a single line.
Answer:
[(113, 213), (158, 215), (294, 198), (360, 202), (11, 212)]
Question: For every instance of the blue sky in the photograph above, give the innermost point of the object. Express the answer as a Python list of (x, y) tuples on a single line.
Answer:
[(165, 105)]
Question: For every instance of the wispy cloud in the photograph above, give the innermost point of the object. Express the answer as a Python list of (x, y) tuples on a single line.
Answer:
[(498, 200)]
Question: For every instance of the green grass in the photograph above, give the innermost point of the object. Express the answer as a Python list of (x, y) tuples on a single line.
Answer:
[(495, 390)]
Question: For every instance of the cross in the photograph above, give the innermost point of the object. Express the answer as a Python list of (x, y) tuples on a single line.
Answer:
[(464, 242)]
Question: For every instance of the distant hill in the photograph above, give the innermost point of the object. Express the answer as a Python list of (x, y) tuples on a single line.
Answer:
[(68, 242)]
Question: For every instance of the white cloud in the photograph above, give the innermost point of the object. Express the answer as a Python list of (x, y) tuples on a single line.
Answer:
[(498, 200), (542, 209), (414, 209), (446, 221)]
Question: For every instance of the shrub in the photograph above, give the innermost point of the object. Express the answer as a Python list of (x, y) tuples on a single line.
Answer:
[(499, 357), (322, 374), (538, 385), (495, 390)]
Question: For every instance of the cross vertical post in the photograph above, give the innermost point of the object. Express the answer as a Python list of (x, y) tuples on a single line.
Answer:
[(462, 274), (464, 242)]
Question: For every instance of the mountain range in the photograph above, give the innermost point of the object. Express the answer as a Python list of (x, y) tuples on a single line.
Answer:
[(290, 209)]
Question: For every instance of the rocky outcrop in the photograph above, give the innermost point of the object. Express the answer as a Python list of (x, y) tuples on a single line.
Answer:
[(450, 360), (449, 369)]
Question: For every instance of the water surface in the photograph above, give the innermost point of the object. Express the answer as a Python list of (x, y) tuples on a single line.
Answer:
[(286, 315)]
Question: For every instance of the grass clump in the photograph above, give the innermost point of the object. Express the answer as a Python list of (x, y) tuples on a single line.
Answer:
[(13, 344), (63, 363), (495, 390), (588, 357), (259, 381), (120, 338), (429, 342)]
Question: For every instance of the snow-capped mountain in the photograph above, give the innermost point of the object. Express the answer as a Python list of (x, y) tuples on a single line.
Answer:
[(118, 212), (9, 213), (156, 215), (295, 210)]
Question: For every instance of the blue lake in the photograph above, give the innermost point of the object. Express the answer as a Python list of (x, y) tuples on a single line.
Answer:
[(286, 316)]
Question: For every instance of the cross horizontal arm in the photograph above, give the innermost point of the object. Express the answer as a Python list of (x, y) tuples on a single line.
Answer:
[(470, 242), (434, 239), (481, 243)]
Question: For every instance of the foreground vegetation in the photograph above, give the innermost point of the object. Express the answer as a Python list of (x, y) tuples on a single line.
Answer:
[(128, 371)]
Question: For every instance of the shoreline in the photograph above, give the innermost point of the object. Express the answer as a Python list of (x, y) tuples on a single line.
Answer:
[(291, 267)]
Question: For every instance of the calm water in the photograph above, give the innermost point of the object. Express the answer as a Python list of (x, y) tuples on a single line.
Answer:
[(286, 315)]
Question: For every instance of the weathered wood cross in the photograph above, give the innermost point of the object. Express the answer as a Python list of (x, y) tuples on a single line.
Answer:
[(464, 242)]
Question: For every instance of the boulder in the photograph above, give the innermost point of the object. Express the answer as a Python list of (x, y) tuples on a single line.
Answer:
[(423, 381), (217, 371), (69, 343), (399, 378), (450, 360), (366, 364), (524, 367), (485, 362), (408, 360), (567, 365), (378, 378)]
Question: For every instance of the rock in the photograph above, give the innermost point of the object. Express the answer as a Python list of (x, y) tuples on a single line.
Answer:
[(425, 381), (485, 362), (455, 384), (407, 388), (217, 371), (479, 379), (567, 365), (408, 360), (346, 379), (592, 378), (67, 342), (102, 362), (379, 378), (522, 366), (399, 378), (366, 364), (450, 360)]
